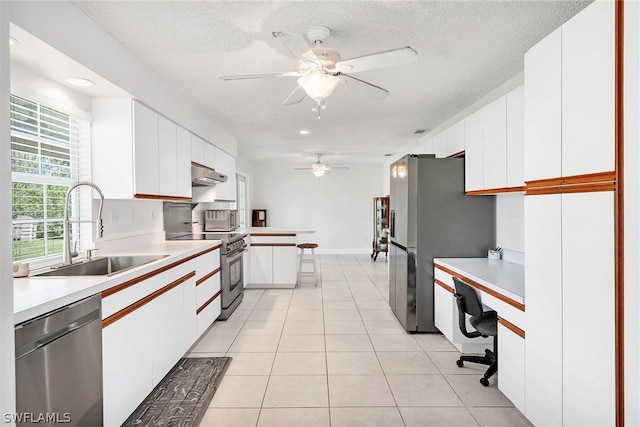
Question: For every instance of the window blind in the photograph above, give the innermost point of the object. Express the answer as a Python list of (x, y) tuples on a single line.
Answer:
[(49, 153)]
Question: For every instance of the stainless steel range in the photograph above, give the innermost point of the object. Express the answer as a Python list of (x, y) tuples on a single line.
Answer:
[(231, 266)]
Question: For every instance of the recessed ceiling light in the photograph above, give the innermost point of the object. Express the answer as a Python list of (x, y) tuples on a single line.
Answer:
[(304, 132), (79, 81), (12, 41)]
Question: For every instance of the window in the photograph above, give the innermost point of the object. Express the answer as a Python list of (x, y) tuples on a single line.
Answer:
[(49, 153), (241, 191)]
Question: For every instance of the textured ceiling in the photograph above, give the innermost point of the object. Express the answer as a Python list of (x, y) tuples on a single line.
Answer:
[(466, 49)]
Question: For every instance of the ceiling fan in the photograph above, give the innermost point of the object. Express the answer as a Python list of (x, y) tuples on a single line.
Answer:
[(320, 69), (319, 169)]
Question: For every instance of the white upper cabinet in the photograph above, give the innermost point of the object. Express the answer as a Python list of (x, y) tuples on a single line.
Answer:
[(167, 156), (146, 150), (455, 138), (474, 155), (493, 145), (202, 152), (543, 107), (197, 149), (135, 152), (494, 118), (440, 144), (211, 156), (588, 91), (183, 148), (515, 137), (569, 97), (225, 164)]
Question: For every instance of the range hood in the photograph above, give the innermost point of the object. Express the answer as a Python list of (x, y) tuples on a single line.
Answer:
[(202, 176)]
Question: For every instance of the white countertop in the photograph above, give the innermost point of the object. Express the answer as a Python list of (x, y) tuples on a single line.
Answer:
[(502, 276), (33, 296), (278, 230)]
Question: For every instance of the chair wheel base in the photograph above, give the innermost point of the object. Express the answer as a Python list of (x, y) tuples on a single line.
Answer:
[(484, 381), (460, 363)]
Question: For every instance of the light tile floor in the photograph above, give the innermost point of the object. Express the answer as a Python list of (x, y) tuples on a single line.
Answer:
[(335, 355)]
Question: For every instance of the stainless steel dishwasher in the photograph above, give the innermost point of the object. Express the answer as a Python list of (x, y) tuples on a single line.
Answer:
[(59, 367)]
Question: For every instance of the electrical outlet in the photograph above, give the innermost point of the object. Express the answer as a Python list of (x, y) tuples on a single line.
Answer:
[(113, 217), (153, 214)]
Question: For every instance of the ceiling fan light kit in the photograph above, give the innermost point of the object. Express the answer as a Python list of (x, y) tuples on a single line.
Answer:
[(320, 69), (319, 169)]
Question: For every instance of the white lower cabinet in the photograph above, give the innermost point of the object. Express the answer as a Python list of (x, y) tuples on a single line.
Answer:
[(569, 242), (285, 268), (443, 313), (147, 328), (273, 260), (543, 281), (588, 279), (208, 302), (126, 365), (261, 264), (511, 349)]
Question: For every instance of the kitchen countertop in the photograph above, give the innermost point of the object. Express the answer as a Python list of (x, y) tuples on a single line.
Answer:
[(34, 296), (277, 230), (504, 277)]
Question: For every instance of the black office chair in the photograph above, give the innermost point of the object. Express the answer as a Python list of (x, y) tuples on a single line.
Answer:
[(485, 323)]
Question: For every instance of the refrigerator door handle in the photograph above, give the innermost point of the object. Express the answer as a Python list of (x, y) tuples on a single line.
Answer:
[(393, 223)]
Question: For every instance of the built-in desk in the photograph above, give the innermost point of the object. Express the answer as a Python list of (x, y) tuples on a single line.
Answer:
[(500, 285)]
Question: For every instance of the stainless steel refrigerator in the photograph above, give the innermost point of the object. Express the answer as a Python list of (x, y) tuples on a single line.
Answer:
[(431, 217)]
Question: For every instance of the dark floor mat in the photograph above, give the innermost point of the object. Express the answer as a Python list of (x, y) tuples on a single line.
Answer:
[(183, 395)]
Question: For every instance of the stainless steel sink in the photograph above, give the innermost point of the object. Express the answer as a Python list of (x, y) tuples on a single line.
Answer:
[(102, 266)]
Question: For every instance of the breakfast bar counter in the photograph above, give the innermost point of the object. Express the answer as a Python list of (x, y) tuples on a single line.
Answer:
[(273, 256)]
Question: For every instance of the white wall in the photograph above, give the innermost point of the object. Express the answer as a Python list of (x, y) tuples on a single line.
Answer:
[(339, 206), (510, 221), (7, 355)]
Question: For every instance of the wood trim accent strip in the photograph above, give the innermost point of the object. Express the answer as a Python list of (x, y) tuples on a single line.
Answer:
[(587, 183), (483, 288), (590, 178), (136, 305), (207, 276), (619, 286), (490, 191), (578, 188), (513, 328), (458, 154), (205, 251), (444, 286), (150, 274), (273, 244), (547, 182), (273, 235), (209, 301), (161, 197), (200, 164)]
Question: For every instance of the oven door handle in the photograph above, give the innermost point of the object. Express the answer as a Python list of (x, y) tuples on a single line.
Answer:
[(234, 257)]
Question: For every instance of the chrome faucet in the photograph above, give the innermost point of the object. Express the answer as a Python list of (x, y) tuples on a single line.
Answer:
[(66, 232)]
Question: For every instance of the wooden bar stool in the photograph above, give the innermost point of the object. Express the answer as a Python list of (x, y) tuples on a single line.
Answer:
[(312, 260)]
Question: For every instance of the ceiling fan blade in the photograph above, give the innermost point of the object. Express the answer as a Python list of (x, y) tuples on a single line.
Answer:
[(376, 61), (372, 91), (296, 96), (258, 75), (303, 169), (297, 46)]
